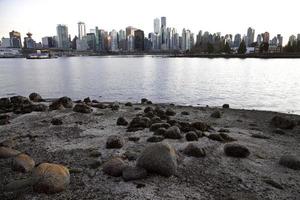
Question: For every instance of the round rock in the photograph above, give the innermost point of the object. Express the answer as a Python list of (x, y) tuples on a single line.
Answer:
[(115, 142), (159, 158), (194, 151), (114, 167), (173, 133), (23, 163), (236, 150)]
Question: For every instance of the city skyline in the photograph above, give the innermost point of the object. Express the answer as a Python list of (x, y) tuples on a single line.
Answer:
[(29, 16)]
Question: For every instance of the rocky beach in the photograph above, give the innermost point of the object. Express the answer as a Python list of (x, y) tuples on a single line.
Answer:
[(86, 149)]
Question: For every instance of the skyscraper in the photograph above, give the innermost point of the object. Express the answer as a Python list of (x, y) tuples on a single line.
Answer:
[(250, 36), (237, 40), (81, 30), (139, 40), (62, 36), (15, 39), (156, 26), (130, 31), (113, 40), (163, 33)]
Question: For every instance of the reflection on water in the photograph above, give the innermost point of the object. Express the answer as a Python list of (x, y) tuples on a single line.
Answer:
[(243, 83)]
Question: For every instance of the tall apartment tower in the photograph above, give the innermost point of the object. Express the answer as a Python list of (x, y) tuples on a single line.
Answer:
[(156, 26), (81, 30), (62, 36)]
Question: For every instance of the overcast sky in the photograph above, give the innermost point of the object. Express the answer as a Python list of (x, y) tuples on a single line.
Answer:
[(40, 17)]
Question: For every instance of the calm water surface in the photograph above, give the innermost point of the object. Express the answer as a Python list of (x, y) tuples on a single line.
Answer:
[(243, 83)]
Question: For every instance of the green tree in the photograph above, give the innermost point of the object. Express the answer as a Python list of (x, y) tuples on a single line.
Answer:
[(226, 48), (210, 48), (264, 47), (242, 48)]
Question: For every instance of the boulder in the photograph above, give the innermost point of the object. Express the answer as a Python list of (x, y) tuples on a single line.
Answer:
[(149, 114), (138, 123), (191, 136), (66, 102), (154, 139), (5, 103), (159, 158), (121, 121), (35, 97), (216, 137), (115, 106), (200, 126), (170, 112), (216, 114), (194, 151), (39, 107), (56, 122), (87, 100), (82, 108), (160, 113), (114, 167), (51, 178), (23, 163), (115, 142), (226, 106), (144, 100), (156, 126), (282, 122), (56, 105), (99, 105), (160, 131), (18, 100), (134, 138), (148, 109), (131, 155), (173, 133), (4, 119), (129, 104), (133, 173), (155, 120), (236, 150), (290, 161), (8, 152), (185, 113)]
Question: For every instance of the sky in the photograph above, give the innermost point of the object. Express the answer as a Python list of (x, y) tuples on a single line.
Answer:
[(40, 17)]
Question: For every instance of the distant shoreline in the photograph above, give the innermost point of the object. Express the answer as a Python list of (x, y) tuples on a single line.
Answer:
[(175, 55)]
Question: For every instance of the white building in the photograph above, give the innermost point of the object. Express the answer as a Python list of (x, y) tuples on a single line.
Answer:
[(114, 40), (5, 42), (81, 30), (156, 26), (82, 45)]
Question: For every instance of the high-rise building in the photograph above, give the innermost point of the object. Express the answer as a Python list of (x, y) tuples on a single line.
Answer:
[(292, 39), (122, 40), (130, 31), (250, 36), (81, 30), (15, 39), (156, 26), (82, 44), (47, 42), (139, 40), (91, 41), (266, 37), (113, 40), (259, 39), (62, 36), (29, 43), (163, 34), (237, 40), (280, 40), (163, 22)]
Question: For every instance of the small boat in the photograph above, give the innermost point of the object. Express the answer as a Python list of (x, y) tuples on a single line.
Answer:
[(40, 55)]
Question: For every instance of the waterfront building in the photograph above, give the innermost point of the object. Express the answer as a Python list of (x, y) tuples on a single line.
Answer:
[(29, 43), (156, 26), (163, 33), (114, 41), (91, 41), (122, 40), (82, 44), (237, 40), (139, 40), (280, 40), (259, 39), (292, 39), (62, 36), (5, 43), (250, 36), (130, 43), (15, 39), (47, 42), (130, 31), (266, 37), (81, 30)]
